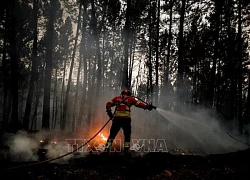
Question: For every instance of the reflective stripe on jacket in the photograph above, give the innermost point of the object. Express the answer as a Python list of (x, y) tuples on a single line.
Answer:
[(123, 106)]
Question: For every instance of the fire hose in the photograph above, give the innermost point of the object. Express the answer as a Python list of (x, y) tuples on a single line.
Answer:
[(87, 142)]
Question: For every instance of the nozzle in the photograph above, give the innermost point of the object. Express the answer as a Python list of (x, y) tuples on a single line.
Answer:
[(150, 104)]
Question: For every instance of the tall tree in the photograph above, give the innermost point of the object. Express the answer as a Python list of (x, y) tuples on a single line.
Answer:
[(157, 54), (180, 58), (48, 68), (5, 67), (166, 82), (65, 40), (247, 109), (14, 64), (231, 59), (83, 58), (26, 118), (239, 72), (150, 55), (97, 46), (127, 30), (211, 86), (65, 108)]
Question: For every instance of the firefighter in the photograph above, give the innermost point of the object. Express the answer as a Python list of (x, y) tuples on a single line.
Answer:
[(121, 117)]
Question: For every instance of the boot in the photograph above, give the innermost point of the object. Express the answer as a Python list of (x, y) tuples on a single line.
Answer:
[(107, 148), (127, 152), (105, 152)]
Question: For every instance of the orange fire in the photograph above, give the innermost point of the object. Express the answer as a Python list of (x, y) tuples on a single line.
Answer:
[(103, 137)]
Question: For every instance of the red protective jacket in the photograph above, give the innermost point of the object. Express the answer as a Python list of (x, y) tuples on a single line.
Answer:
[(123, 106)]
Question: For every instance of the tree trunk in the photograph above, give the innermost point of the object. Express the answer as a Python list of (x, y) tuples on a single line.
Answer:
[(62, 92), (166, 72), (83, 54), (149, 63), (5, 72), (180, 59), (98, 53), (91, 91), (195, 85), (150, 72), (37, 100), (104, 39), (14, 66), (131, 60), (111, 64), (65, 107), (127, 30), (239, 49), (54, 114), (157, 55), (48, 68), (137, 77), (231, 63), (211, 85), (104, 70), (247, 110), (33, 78)]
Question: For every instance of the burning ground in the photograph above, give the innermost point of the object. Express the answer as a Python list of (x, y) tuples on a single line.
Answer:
[(235, 165)]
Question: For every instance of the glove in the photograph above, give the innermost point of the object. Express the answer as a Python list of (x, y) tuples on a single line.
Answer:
[(110, 114), (150, 106)]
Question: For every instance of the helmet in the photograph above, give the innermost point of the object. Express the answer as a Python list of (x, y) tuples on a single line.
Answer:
[(126, 91)]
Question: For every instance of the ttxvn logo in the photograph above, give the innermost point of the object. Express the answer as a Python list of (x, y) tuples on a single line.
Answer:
[(137, 145)]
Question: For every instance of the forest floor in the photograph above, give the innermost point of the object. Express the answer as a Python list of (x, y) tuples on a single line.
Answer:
[(234, 165)]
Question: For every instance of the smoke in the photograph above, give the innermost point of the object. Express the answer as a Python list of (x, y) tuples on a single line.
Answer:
[(26, 146), (21, 146), (58, 150)]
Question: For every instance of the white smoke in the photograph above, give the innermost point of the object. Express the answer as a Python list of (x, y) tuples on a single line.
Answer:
[(23, 146)]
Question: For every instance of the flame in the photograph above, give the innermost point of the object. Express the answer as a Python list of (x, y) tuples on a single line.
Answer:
[(103, 137)]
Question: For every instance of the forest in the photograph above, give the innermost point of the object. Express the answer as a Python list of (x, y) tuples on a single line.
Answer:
[(58, 58), (61, 61)]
